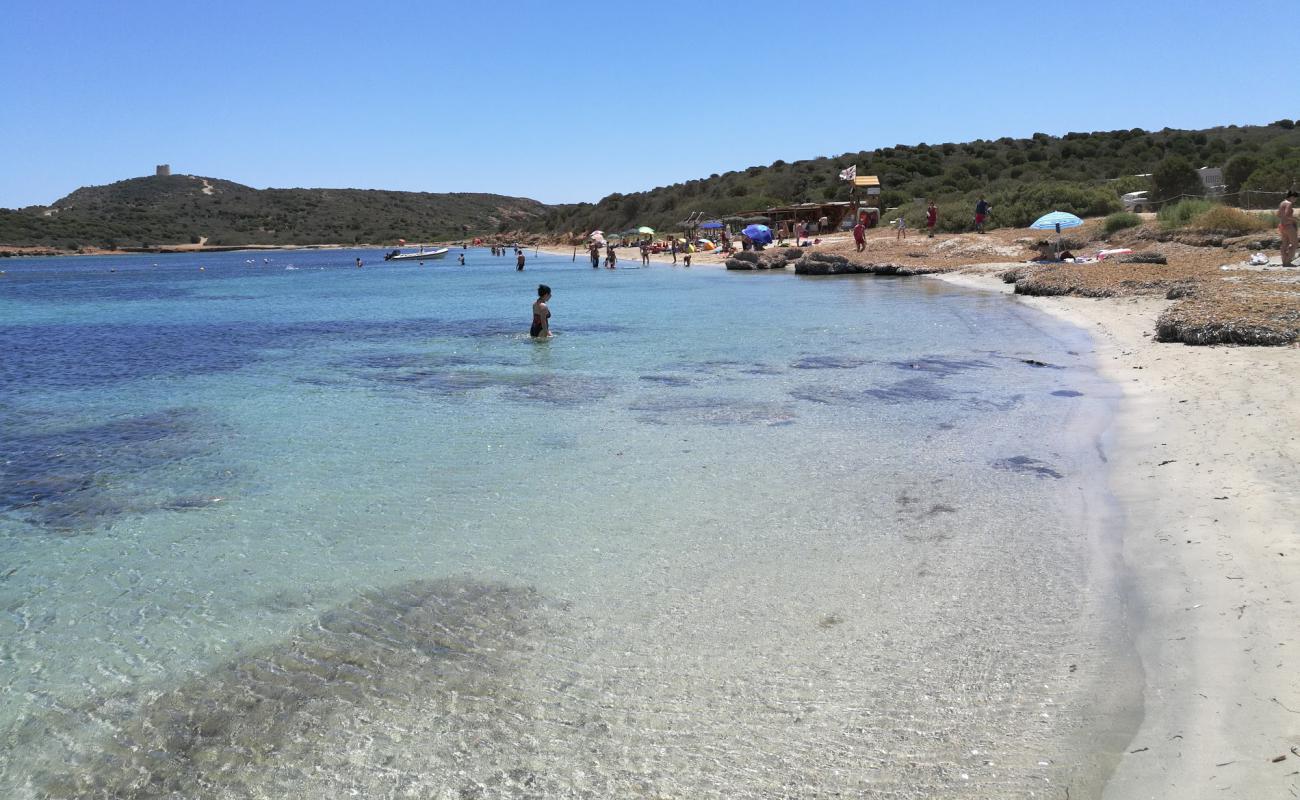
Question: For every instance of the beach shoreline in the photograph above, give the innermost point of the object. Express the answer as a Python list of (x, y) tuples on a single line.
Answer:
[(1204, 461)]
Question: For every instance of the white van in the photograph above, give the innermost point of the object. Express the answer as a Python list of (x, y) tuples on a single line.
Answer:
[(1137, 202)]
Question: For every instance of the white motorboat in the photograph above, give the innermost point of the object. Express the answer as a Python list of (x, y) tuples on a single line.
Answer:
[(423, 255)]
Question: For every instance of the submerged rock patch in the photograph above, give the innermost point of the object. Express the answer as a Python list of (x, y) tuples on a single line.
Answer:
[(257, 725), (1027, 465), (941, 366), (711, 411), (830, 362), (457, 375), (667, 380), (74, 479)]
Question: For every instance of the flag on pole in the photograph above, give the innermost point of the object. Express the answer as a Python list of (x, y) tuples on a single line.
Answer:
[(849, 174)]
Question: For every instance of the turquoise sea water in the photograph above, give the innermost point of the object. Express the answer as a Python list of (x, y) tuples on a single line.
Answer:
[(282, 527)]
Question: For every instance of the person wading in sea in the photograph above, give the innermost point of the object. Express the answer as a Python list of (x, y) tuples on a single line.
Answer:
[(519, 261), (541, 328)]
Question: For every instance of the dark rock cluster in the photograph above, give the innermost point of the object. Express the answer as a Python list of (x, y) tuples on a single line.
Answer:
[(833, 264), (753, 259)]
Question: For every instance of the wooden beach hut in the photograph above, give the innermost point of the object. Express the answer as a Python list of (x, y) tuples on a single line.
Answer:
[(866, 199)]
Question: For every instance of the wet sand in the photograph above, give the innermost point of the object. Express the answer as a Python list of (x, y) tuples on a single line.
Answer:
[(1205, 460)]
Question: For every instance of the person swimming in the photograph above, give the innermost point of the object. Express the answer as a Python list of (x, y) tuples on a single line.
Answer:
[(541, 328)]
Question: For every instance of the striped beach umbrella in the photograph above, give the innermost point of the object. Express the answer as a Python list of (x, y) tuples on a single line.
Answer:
[(1056, 221)]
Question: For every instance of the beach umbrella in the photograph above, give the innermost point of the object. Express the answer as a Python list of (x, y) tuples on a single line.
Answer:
[(646, 231), (711, 225), (758, 234), (1056, 221)]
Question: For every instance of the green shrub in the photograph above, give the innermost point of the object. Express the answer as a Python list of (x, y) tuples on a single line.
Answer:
[(1131, 183), (1229, 221), (1274, 175), (1121, 220), (1174, 177), (1021, 205), (1178, 215), (1238, 169)]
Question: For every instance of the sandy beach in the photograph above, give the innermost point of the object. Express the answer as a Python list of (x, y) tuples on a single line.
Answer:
[(1204, 458), (1205, 461)]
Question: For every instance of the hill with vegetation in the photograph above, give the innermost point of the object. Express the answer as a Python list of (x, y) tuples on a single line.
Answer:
[(1083, 173), (183, 209)]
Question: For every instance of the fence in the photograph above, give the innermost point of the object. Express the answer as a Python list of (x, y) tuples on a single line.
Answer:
[(1246, 198)]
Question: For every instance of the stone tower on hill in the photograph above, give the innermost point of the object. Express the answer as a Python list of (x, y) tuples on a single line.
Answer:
[(162, 170)]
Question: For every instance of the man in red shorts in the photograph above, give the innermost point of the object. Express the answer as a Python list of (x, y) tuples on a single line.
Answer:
[(981, 213)]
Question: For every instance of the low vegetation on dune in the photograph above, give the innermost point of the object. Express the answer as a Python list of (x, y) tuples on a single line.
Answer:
[(1121, 220), (1229, 221), (1180, 214), (1251, 309)]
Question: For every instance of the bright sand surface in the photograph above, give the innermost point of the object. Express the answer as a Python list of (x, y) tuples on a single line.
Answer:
[(1205, 462)]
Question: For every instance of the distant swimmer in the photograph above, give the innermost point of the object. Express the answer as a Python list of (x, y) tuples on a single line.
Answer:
[(519, 261), (359, 263), (541, 328), (462, 259)]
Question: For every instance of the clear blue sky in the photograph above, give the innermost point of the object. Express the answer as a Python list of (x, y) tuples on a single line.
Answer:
[(569, 101)]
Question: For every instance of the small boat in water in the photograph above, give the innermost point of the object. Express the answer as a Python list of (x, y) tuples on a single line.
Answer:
[(398, 255)]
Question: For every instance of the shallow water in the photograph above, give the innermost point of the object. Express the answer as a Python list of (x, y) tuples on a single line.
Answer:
[(290, 528)]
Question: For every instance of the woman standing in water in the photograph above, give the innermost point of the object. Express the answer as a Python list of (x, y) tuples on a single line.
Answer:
[(541, 314)]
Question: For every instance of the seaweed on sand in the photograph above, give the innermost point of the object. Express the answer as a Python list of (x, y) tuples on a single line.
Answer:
[(1251, 310)]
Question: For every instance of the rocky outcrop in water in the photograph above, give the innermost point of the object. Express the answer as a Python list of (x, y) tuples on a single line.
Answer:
[(268, 719), (754, 260), (834, 264)]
